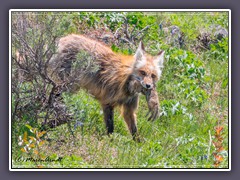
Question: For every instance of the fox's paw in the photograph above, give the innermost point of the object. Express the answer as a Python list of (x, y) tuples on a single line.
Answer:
[(137, 138)]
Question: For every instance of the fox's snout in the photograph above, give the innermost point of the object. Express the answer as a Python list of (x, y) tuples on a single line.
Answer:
[(147, 85)]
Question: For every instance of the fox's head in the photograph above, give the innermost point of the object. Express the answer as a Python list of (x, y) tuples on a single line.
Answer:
[(147, 69)]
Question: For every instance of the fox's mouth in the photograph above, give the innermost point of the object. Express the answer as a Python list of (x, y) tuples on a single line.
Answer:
[(145, 85), (145, 91)]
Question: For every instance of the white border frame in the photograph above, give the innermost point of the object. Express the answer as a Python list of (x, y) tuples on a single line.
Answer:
[(127, 10)]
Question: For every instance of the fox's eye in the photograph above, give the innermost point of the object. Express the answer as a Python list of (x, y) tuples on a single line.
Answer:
[(143, 73), (153, 76)]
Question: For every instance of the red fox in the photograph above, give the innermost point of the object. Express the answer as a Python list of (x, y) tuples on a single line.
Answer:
[(119, 79)]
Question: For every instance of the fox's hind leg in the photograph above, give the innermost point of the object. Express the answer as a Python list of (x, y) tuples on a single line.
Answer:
[(129, 115), (108, 117)]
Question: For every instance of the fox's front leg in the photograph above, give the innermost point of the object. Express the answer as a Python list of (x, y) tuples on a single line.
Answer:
[(108, 117), (153, 104), (129, 115)]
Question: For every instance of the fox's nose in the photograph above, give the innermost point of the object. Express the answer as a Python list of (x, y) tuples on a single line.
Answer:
[(148, 86)]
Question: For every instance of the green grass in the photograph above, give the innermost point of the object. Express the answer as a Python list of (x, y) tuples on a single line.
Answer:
[(174, 142), (194, 102)]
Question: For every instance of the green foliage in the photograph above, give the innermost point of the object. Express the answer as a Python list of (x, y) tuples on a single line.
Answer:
[(113, 19), (188, 73), (187, 64), (219, 51)]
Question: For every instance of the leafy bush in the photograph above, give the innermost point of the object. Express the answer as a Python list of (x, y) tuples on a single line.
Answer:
[(219, 51)]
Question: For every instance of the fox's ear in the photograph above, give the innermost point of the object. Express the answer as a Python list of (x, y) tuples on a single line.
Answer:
[(140, 51), (158, 61)]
